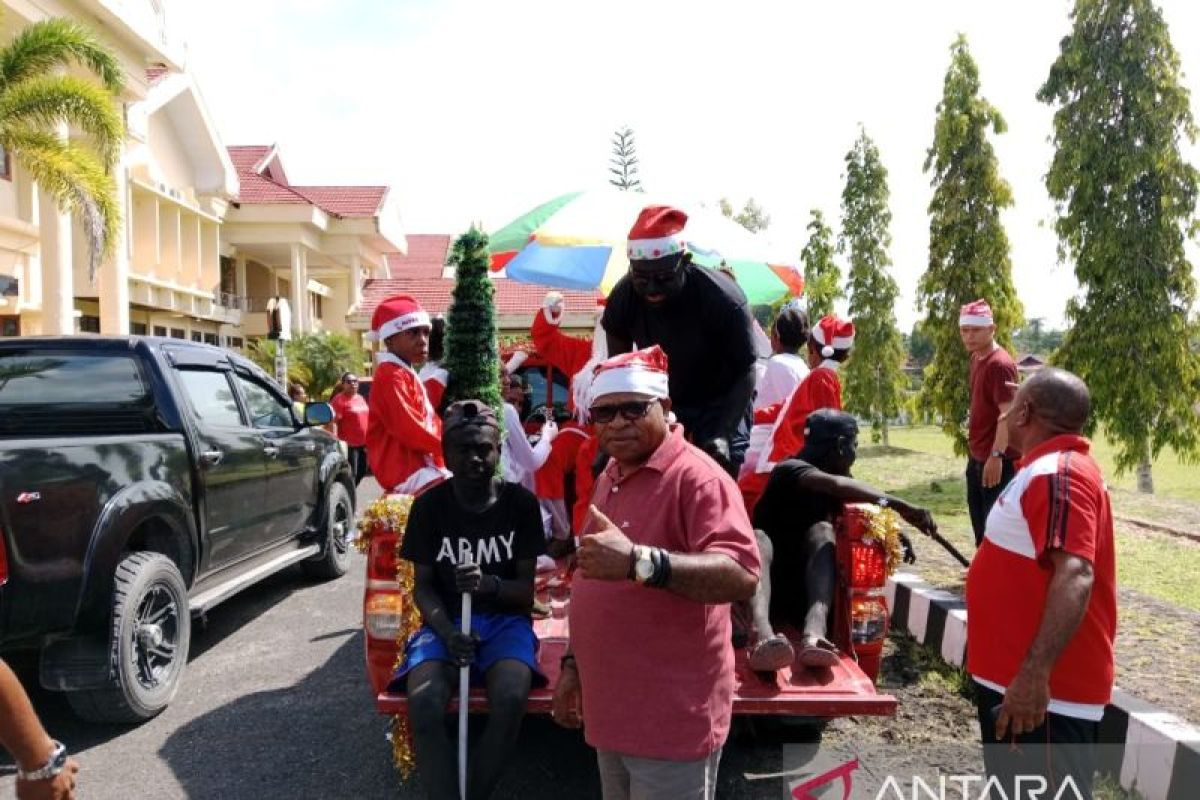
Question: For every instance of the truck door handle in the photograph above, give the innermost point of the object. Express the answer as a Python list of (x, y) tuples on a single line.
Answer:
[(210, 458), (271, 450)]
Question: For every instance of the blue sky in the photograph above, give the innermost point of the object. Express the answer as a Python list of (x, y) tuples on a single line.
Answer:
[(480, 110)]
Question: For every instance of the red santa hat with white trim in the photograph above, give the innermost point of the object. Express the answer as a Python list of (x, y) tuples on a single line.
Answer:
[(395, 314), (976, 314), (833, 333), (658, 233), (639, 372)]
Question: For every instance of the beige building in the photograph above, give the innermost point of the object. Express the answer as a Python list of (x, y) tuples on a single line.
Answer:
[(209, 234)]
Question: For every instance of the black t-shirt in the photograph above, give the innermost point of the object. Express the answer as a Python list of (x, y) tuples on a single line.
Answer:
[(785, 510), (440, 532), (706, 332)]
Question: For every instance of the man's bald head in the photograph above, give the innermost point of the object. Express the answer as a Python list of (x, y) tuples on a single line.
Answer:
[(1059, 398)]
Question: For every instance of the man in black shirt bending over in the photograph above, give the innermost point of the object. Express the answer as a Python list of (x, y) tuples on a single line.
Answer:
[(701, 319), (473, 533), (794, 523)]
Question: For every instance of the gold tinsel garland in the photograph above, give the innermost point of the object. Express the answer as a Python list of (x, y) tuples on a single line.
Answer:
[(883, 525), (389, 514)]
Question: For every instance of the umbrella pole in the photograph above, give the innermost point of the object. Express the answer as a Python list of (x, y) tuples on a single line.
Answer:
[(464, 689)]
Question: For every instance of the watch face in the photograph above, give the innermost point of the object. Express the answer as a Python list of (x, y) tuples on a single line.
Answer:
[(644, 568)]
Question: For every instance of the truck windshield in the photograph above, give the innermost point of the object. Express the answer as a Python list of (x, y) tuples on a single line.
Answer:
[(47, 393)]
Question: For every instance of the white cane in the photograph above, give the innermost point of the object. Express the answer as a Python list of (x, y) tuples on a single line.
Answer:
[(464, 688)]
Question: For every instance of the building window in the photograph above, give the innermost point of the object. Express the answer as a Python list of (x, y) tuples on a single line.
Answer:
[(236, 342), (178, 333), (137, 328), (160, 330), (89, 324), (197, 336), (210, 338), (317, 309), (5, 165), (10, 325), (228, 276)]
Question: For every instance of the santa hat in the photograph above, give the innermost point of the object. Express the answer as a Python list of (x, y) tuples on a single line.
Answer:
[(638, 372), (657, 233), (515, 361), (833, 333), (976, 314), (395, 314)]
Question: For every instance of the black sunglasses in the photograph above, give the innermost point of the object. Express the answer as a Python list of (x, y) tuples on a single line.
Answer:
[(630, 412)]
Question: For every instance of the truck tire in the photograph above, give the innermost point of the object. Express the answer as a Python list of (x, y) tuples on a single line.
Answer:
[(149, 638), (334, 559)]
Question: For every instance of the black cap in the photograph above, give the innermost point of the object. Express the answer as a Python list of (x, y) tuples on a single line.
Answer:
[(827, 424), (469, 412)]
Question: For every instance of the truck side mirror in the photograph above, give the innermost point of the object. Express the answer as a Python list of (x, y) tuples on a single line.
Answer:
[(317, 414)]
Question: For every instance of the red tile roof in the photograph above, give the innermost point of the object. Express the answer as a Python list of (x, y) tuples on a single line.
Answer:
[(434, 294), (425, 258), (259, 187)]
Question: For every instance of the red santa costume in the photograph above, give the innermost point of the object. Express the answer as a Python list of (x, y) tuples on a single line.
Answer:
[(577, 357), (822, 388), (404, 433)]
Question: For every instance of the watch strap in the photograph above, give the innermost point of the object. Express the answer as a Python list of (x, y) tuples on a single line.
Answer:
[(53, 765)]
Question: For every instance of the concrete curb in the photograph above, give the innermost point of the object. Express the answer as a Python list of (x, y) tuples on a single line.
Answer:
[(1159, 752)]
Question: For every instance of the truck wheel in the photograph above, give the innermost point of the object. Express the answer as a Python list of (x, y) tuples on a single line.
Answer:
[(151, 631), (334, 560)]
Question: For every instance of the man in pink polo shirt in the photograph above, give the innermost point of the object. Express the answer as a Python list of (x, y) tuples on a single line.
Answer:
[(666, 548)]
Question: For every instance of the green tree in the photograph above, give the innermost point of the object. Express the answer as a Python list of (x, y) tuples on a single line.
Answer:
[(968, 247), (38, 95), (624, 162), (1124, 199), (874, 375), (752, 217), (472, 357), (315, 360), (920, 346), (822, 278)]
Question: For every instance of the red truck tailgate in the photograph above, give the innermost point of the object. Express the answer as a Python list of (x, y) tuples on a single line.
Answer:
[(843, 690)]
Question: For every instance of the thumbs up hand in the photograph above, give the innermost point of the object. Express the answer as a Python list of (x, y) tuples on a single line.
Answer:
[(605, 553)]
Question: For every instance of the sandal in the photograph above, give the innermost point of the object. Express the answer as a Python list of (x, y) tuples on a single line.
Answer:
[(817, 651), (772, 654)]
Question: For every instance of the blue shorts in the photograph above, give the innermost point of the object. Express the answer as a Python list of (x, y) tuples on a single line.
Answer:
[(501, 636)]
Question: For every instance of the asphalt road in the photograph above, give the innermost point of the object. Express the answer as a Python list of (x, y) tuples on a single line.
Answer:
[(275, 704)]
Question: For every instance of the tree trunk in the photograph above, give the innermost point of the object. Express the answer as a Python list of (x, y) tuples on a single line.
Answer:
[(886, 443), (1145, 480)]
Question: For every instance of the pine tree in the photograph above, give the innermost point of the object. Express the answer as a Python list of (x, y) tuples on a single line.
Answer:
[(822, 278), (968, 248), (1125, 199), (472, 354), (874, 375), (624, 162)]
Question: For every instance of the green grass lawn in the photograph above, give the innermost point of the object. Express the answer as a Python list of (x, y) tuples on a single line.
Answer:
[(920, 466)]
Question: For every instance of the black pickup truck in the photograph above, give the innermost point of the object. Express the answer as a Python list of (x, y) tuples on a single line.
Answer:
[(143, 481)]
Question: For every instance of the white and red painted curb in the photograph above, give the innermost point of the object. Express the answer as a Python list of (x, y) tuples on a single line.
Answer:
[(1150, 750)]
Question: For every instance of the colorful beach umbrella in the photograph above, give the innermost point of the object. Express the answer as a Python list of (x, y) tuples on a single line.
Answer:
[(577, 241)]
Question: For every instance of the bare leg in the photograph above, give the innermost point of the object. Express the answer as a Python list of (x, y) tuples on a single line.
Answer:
[(428, 693), (508, 682), (820, 572), (771, 651)]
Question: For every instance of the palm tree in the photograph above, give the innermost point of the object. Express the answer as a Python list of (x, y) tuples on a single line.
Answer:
[(36, 96)]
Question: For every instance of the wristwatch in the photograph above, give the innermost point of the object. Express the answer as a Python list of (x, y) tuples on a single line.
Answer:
[(53, 766), (643, 565), (997, 454)]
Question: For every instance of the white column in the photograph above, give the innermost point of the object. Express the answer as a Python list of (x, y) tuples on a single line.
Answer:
[(356, 282), (239, 276), (114, 272), (299, 280), (58, 279)]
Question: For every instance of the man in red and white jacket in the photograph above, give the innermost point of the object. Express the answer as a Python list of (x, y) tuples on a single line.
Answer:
[(404, 432), (1041, 597)]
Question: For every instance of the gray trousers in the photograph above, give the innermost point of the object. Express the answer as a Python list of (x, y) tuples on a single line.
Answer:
[(625, 777)]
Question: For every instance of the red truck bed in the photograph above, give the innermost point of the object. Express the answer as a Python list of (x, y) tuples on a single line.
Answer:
[(844, 690)]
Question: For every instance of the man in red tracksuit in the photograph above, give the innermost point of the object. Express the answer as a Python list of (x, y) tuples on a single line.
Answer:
[(404, 433)]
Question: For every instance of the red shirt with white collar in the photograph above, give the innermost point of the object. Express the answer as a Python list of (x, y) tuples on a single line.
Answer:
[(404, 433), (656, 668), (1056, 501)]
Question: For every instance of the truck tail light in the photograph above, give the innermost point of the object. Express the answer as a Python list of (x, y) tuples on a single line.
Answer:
[(868, 565), (381, 560), (3, 560), (381, 614), (868, 616)]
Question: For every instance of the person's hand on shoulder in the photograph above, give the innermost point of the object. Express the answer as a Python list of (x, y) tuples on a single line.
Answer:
[(605, 553)]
